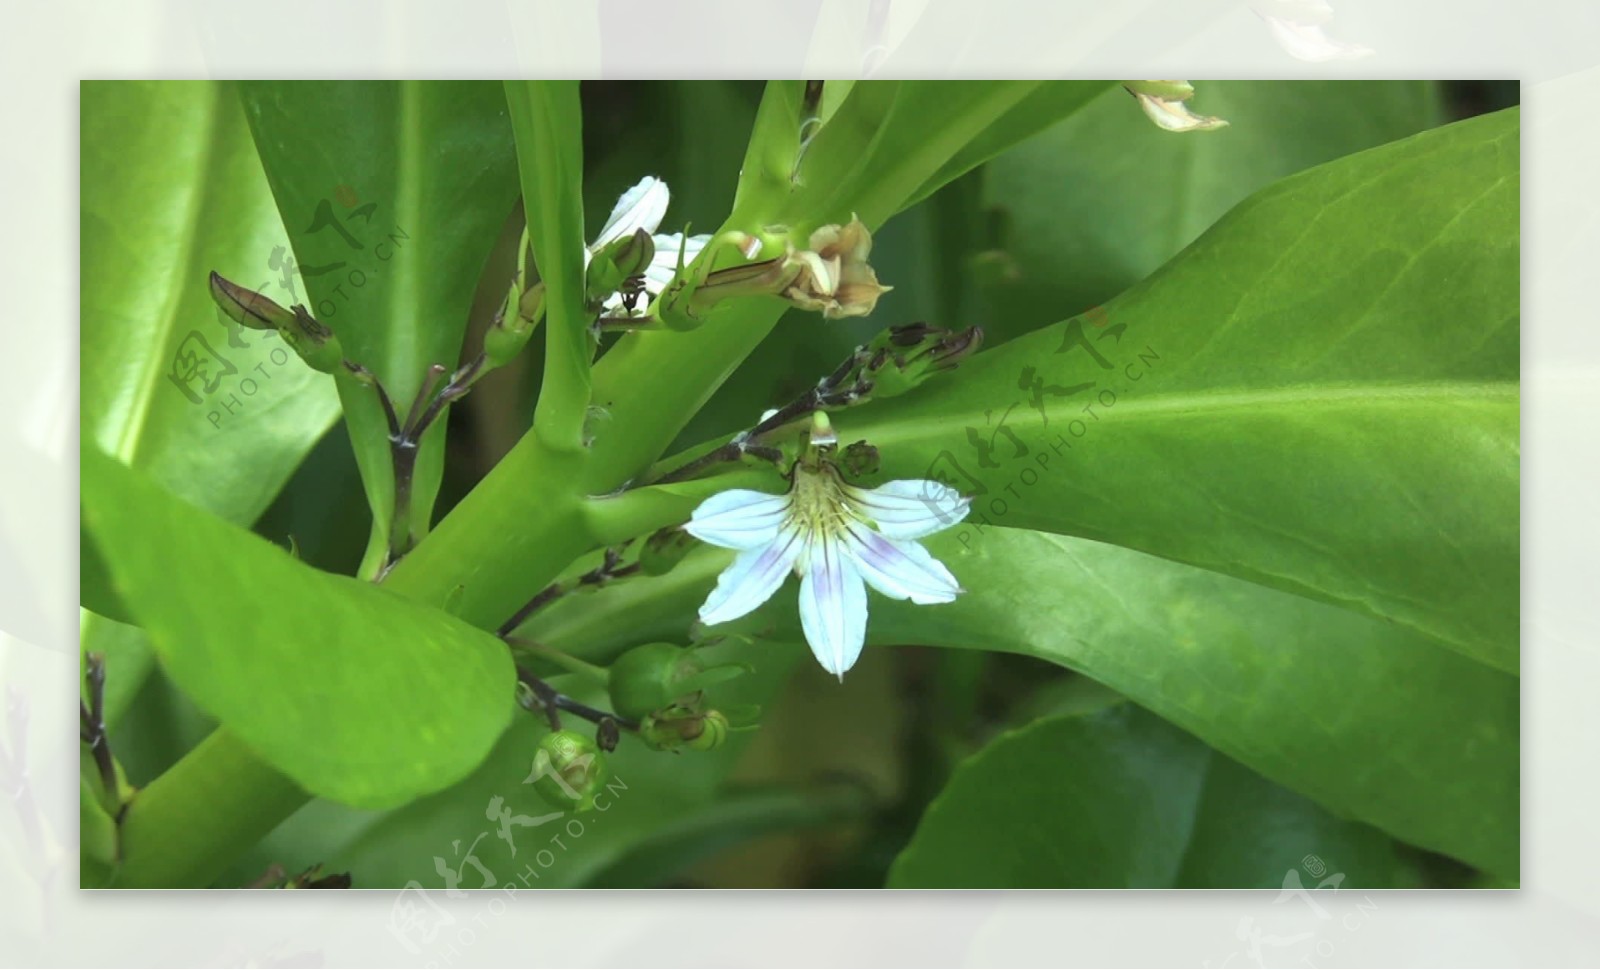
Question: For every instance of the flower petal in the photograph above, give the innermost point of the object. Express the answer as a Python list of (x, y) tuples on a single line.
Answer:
[(665, 264), (750, 580), (738, 519), (1175, 115), (901, 570), (910, 508), (641, 207), (833, 607)]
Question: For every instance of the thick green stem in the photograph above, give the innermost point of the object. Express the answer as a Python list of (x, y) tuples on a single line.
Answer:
[(547, 121), (184, 828)]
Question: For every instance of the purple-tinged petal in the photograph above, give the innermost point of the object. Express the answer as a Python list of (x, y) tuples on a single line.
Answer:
[(901, 569), (750, 580), (738, 519), (833, 607), (909, 508)]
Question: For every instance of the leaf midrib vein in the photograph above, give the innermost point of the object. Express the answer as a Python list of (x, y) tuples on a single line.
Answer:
[(1258, 399)]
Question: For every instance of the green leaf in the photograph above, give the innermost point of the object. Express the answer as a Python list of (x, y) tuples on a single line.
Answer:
[(354, 693), (1121, 799), (735, 817), (1097, 203), (648, 793), (1040, 109), (171, 187), (394, 194), (1370, 721), (893, 143), (548, 122), (97, 834), (1319, 395)]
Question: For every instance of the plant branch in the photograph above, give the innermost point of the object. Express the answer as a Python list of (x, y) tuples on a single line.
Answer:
[(92, 728), (550, 701), (602, 574), (843, 387)]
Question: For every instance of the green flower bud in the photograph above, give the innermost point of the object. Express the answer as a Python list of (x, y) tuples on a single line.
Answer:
[(315, 343), (513, 327), (656, 676), (616, 262), (664, 550), (714, 731), (680, 727), (568, 770), (530, 307)]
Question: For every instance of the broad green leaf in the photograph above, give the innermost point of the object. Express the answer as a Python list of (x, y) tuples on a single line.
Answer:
[(766, 175), (394, 194), (650, 791), (354, 693), (1044, 106), (171, 188), (1121, 799), (1319, 395), (1097, 203), (1368, 720), (97, 838), (893, 143)]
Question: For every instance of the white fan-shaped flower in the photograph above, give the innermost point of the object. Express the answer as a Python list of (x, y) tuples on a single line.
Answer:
[(643, 207), (839, 539)]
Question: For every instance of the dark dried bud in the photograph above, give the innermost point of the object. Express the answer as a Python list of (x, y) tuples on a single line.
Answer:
[(860, 459)]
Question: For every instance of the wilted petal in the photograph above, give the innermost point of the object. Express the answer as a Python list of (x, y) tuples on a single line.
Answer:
[(1175, 115), (738, 519), (901, 570), (910, 508), (833, 607), (641, 207), (750, 580), (665, 265)]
